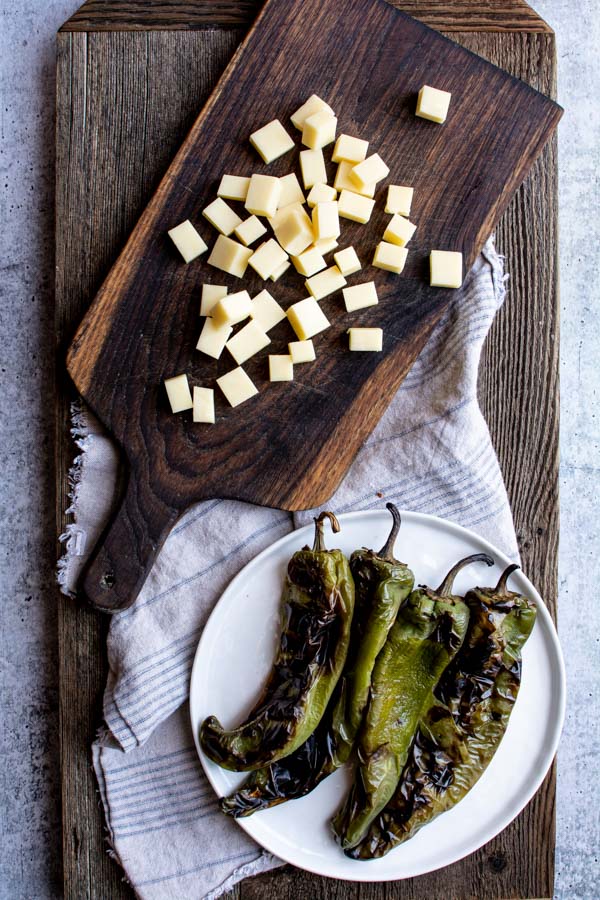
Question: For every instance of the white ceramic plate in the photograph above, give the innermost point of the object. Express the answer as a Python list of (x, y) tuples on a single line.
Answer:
[(235, 654)]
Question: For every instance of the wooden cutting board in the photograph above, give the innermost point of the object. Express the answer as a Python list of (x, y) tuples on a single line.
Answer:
[(143, 69), (290, 446)]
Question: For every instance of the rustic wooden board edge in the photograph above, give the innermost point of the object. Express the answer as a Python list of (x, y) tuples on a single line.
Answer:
[(136, 15), (89, 872)]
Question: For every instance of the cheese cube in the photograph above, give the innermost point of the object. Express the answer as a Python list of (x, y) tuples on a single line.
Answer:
[(312, 165), (359, 296), (399, 231), (326, 221), (352, 149), (302, 351), (276, 275), (250, 230), (307, 318), (369, 171), (399, 199), (366, 339), (325, 283), (178, 392), (433, 104), (229, 256), (293, 229), (390, 257), (347, 261), (344, 181), (234, 187), (446, 268), (309, 263), (291, 192), (188, 241), (355, 207), (281, 368), (313, 104), (222, 216), (268, 258), (263, 195), (213, 338), (266, 311), (232, 309), (320, 193), (248, 341), (204, 405), (211, 294), (319, 130), (271, 141), (325, 246), (237, 386)]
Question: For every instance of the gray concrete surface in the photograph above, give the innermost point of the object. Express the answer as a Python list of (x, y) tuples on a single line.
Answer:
[(29, 816)]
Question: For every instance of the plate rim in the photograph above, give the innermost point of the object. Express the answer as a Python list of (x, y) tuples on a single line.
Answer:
[(559, 701)]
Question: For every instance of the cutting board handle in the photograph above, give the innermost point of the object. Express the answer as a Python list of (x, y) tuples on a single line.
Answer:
[(127, 550)]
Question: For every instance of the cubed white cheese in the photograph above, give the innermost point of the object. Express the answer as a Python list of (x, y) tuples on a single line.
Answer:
[(359, 296), (211, 294), (313, 104), (347, 261), (399, 199), (276, 275), (355, 207), (268, 258), (293, 229), (232, 309), (325, 221), (307, 318), (366, 339), (345, 182), (302, 351), (312, 165), (178, 392), (250, 230), (319, 130), (320, 193), (247, 342), (222, 216), (325, 283), (237, 386), (234, 187), (281, 368), (266, 311), (188, 241), (271, 141), (399, 231), (390, 257), (204, 405), (446, 268), (352, 149), (229, 256), (263, 195), (369, 171), (433, 104), (213, 338), (291, 192), (310, 262)]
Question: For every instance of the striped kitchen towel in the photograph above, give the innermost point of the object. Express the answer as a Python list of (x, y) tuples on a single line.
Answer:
[(431, 452)]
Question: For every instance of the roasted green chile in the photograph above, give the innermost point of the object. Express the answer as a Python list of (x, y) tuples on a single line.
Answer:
[(316, 616), (461, 731), (428, 632), (382, 584)]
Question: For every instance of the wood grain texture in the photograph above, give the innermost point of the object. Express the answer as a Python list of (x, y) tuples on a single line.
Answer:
[(518, 387), (143, 324), (136, 15)]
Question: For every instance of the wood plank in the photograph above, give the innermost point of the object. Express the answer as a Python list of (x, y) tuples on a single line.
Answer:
[(518, 363), (135, 15), (127, 345)]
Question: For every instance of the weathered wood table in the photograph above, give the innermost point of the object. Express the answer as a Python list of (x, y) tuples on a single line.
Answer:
[(131, 79)]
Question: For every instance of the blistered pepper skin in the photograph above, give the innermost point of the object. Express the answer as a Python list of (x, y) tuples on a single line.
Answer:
[(316, 615), (382, 584), (462, 730), (426, 636)]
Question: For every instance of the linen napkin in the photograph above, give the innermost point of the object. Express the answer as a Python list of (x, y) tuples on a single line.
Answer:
[(431, 452)]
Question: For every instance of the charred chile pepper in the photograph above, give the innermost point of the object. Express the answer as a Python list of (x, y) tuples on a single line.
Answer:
[(426, 636), (316, 615), (382, 584), (461, 732)]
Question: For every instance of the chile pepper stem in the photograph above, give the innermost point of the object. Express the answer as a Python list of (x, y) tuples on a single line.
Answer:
[(445, 588), (319, 544), (387, 551), (501, 586)]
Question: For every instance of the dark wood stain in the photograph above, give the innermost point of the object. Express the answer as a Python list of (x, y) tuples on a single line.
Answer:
[(111, 86)]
